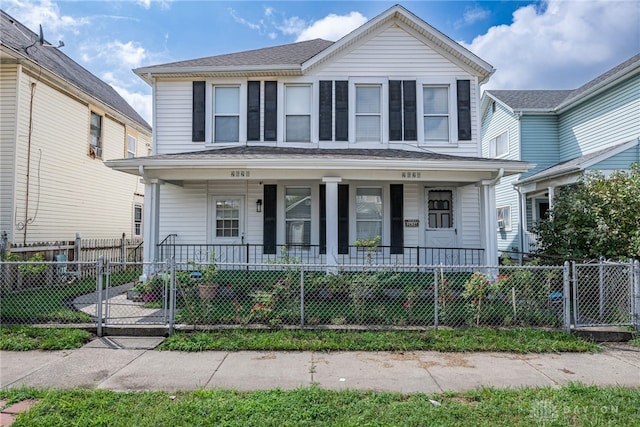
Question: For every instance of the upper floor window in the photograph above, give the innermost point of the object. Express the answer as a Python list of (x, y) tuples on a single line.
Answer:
[(368, 213), (368, 113), (436, 113), (131, 146), (298, 215), (298, 113), (95, 135), (226, 121), (499, 146)]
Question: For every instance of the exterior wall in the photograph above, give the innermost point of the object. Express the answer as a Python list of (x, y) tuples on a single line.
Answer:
[(69, 191), (8, 105), (471, 217), (540, 144), (619, 161), (607, 119), (391, 54)]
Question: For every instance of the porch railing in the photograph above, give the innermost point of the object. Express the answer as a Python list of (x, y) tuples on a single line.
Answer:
[(315, 254)]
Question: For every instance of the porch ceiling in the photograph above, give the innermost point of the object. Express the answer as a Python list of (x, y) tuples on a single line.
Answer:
[(262, 162)]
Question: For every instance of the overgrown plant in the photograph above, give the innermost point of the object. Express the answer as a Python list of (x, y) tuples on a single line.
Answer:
[(479, 288)]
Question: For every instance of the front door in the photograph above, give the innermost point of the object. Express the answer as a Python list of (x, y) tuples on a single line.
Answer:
[(227, 228), (440, 230)]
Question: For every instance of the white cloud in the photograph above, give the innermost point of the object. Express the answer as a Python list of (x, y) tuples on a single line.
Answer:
[(560, 44), (122, 55), (45, 13), (472, 15), (141, 102), (332, 27)]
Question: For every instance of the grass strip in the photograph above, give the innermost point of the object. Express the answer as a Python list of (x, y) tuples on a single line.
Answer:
[(480, 339), (571, 405), (25, 338)]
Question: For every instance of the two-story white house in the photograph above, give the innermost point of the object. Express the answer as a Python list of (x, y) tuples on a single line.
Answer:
[(317, 145), (565, 133), (58, 124)]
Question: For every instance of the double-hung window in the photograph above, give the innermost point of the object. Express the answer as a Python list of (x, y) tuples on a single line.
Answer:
[(226, 114), (131, 146), (95, 135), (298, 215), (499, 146), (368, 113), (368, 213), (503, 214), (298, 113), (436, 116), (137, 220)]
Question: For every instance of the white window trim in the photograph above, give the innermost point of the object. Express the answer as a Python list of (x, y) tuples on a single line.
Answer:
[(135, 145), (98, 151), (210, 110), (493, 148), (508, 226), (453, 110), (133, 214), (384, 109), (313, 111), (385, 213), (311, 217)]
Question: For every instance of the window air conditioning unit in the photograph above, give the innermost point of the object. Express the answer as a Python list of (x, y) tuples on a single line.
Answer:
[(501, 224)]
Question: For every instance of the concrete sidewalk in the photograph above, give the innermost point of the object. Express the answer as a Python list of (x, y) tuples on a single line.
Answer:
[(131, 363)]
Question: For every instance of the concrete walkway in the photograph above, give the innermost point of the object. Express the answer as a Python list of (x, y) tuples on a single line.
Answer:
[(131, 363)]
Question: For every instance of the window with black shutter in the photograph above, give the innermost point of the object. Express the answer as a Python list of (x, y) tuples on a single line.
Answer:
[(253, 111), (464, 110), (396, 228), (270, 110), (269, 219), (198, 112)]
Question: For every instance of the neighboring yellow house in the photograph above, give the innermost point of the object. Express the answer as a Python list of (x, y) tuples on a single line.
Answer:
[(58, 124)]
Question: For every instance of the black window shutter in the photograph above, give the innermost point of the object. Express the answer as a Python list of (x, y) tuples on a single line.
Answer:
[(397, 229), (343, 218), (198, 112), (253, 111), (270, 110), (342, 110), (269, 225), (395, 110), (326, 101), (464, 110), (323, 219), (409, 105)]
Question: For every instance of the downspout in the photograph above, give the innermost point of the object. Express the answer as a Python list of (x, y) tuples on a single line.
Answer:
[(26, 207), (495, 180)]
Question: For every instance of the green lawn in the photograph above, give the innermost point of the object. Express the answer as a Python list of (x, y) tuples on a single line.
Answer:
[(475, 339), (25, 338), (572, 405)]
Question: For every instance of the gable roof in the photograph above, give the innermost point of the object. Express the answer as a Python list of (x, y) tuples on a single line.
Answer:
[(578, 164), (21, 42), (297, 58), (553, 101)]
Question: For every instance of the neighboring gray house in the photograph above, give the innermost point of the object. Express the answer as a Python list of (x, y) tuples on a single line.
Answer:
[(564, 133), (316, 145)]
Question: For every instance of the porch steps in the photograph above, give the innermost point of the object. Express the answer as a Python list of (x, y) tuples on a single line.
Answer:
[(604, 333)]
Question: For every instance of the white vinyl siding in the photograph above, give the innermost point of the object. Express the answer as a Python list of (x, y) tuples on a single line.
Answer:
[(8, 106), (173, 121), (469, 217), (62, 199)]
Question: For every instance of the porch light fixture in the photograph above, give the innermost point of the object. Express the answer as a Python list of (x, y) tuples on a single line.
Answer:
[(259, 205)]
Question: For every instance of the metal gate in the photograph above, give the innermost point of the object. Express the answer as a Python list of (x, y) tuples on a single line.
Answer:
[(605, 294), (125, 305)]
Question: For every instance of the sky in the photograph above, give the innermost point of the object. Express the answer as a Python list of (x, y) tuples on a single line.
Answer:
[(542, 44)]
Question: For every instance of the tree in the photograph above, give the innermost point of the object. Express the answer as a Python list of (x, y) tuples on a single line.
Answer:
[(597, 216)]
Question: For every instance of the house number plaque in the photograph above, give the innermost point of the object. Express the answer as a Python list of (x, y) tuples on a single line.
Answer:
[(410, 175), (411, 223), (240, 174)]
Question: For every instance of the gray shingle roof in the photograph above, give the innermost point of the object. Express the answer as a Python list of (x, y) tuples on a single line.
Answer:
[(257, 152), (552, 99), (572, 165), (20, 39), (288, 54), (531, 99)]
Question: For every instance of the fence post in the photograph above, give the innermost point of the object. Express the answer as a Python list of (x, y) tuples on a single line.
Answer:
[(172, 293), (123, 249), (99, 293), (435, 298), (76, 254), (601, 288), (636, 294), (576, 283), (566, 298), (301, 296)]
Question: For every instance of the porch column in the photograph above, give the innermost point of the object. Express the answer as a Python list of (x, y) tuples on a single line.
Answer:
[(489, 221), (332, 218), (151, 225), (551, 191)]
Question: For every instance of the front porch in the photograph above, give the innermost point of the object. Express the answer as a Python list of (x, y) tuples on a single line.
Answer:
[(315, 254)]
